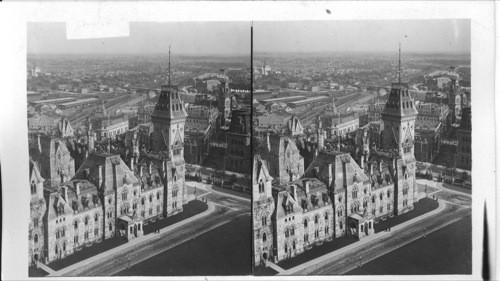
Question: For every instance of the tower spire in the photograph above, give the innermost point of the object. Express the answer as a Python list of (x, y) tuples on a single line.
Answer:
[(399, 64), (169, 65)]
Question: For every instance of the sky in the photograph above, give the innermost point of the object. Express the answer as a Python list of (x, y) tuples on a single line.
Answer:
[(190, 38), (229, 38), (419, 36)]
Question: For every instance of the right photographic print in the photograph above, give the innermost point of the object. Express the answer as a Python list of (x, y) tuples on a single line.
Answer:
[(362, 147)]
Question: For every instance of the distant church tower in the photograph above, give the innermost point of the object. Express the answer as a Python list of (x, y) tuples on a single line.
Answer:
[(169, 117), (399, 117)]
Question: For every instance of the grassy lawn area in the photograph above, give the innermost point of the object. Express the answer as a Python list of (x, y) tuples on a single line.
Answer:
[(87, 252), (457, 188), (232, 192), (421, 207), (190, 209), (225, 250), (36, 272), (445, 251), (317, 251), (264, 271)]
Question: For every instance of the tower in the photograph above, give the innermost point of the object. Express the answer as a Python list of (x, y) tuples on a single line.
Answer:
[(224, 104), (263, 208), (169, 117), (399, 117), (37, 211)]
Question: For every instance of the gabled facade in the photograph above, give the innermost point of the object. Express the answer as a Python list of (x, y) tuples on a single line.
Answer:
[(263, 208)]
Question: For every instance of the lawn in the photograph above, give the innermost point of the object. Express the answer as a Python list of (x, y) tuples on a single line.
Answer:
[(264, 271), (225, 250), (318, 251), (421, 207), (192, 208), (438, 253), (36, 272), (87, 252), (232, 192)]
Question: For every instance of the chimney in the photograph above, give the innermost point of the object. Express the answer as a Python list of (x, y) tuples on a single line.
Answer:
[(370, 167), (77, 188), (149, 168), (306, 185), (140, 171), (99, 170), (362, 162), (132, 164), (65, 193), (268, 142), (294, 191), (330, 175), (39, 144), (164, 168), (380, 166)]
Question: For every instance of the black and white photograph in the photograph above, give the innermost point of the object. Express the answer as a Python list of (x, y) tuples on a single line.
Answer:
[(362, 147), (248, 140), (137, 151)]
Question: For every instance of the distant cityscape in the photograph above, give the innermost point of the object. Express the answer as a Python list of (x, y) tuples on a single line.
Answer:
[(295, 163), (122, 148), (347, 147)]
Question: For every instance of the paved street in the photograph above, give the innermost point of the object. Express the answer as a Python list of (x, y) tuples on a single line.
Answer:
[(224, 208), (453, 207)]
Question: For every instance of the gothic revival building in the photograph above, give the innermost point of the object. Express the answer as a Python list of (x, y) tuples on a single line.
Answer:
[(106, 197), (238, 156), (54, 159), (283, 157), (38, 207), (338, 195), (464, 153)]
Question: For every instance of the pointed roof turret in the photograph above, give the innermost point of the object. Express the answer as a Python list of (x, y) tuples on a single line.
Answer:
[(169, 105), (400, 103)]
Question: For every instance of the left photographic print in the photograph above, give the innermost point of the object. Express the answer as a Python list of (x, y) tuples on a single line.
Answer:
[(139, 151)]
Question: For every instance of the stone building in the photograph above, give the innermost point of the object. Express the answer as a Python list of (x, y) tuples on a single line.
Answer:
[(263, 208), (283, 158), (338, 196), (106, 197), (201, 127), (464, 149), (54, 159), (38, 207), (238, 156)]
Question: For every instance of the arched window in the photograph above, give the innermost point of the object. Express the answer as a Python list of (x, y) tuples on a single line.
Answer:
[(36, 238), (305, 223), (261, 186), (33, 187), (365, 202), (388, 193), (264, 237), (339, 211), (293, 245), (75, 224), (86, 220), (96, 217), (158, 196), (326, 216), (355, 192), (264, 220), (316, 219), (380, 195)]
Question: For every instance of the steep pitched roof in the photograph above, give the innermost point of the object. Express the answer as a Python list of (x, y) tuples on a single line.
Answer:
[(320, 168), (259, 170), (106, 161)]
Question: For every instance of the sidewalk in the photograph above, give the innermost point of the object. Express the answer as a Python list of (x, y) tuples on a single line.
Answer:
[(131, 243), (366, 240)]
